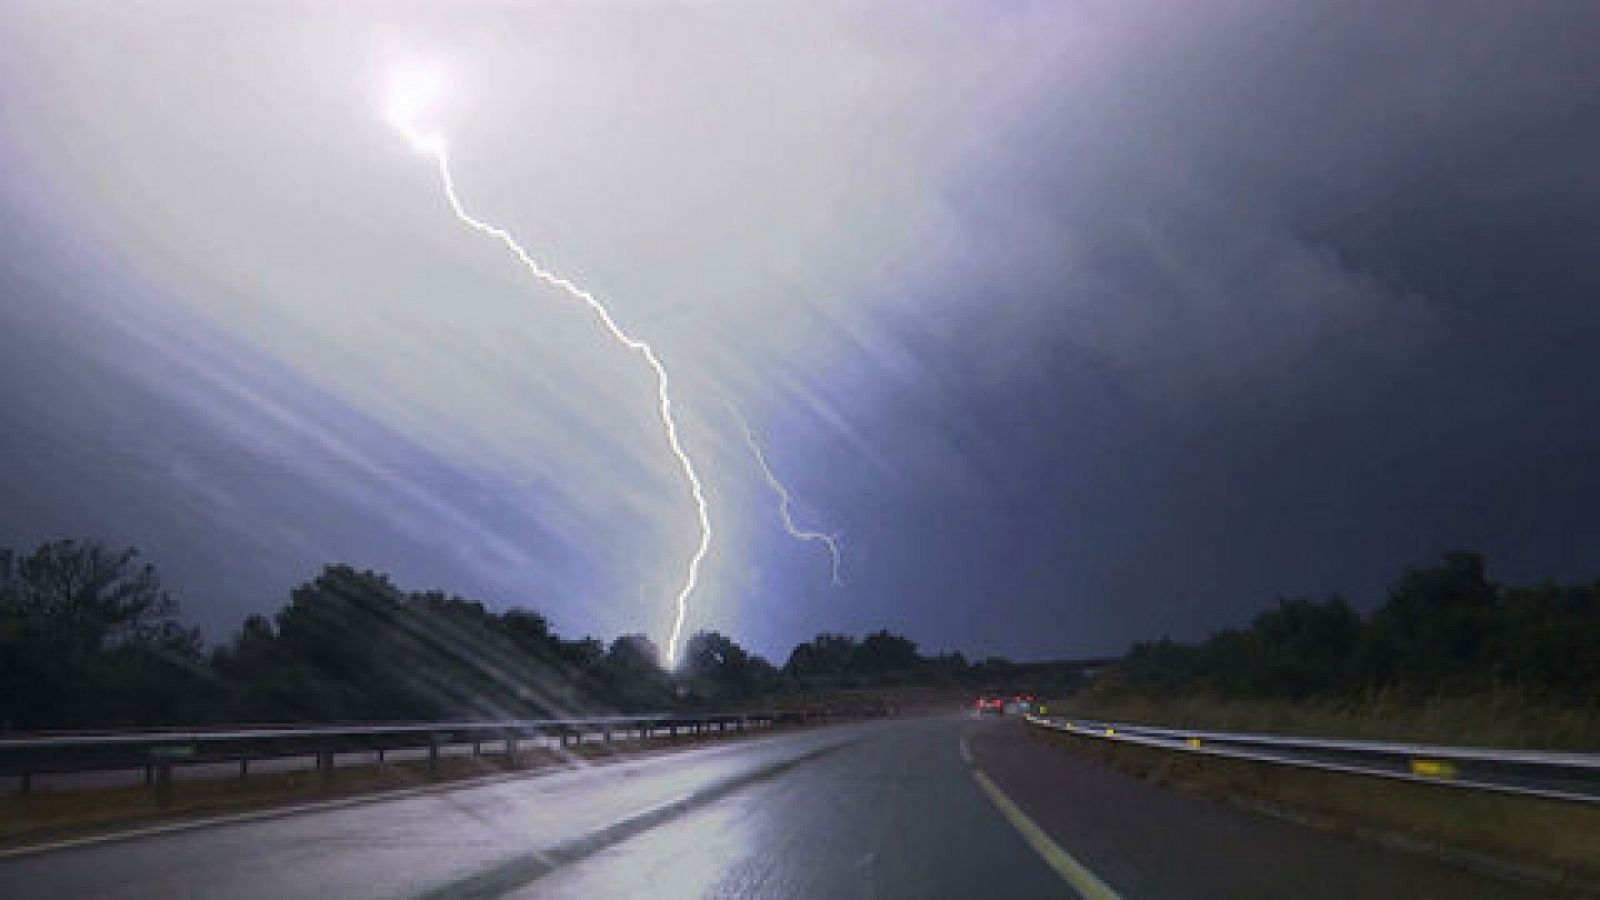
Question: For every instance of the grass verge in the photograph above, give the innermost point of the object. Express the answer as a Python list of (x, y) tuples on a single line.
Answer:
[(1503, 718), (1552, 842)]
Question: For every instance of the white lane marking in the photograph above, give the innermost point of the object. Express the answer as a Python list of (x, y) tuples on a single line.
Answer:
[(1085, 882)]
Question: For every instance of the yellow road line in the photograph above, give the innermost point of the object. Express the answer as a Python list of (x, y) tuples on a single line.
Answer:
[(1081, 879)]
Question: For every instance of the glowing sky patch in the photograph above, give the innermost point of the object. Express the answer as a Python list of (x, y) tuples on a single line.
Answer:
[(413, 92)]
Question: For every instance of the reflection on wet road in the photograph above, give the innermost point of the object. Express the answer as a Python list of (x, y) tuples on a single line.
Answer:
[(885, 809)]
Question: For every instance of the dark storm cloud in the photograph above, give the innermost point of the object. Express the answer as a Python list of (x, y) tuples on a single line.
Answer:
[(1083, 323), (1309, 296)]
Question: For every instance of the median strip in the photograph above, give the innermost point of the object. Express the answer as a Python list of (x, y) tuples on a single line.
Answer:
[(46, 821)]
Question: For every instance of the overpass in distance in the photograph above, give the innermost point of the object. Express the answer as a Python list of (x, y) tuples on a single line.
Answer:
[(950, 806)]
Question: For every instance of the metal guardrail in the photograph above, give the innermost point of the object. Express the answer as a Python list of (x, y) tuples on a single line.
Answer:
[(1573, 777), (157, 752)]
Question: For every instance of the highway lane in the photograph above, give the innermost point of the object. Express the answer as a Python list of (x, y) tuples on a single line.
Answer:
[(889, 809), (895, 816), (899, 816)]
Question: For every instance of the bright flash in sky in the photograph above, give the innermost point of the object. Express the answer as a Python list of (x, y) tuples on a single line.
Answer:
[(414, 91)]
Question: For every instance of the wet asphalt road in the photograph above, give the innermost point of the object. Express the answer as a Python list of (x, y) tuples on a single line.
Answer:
[(888, 809)]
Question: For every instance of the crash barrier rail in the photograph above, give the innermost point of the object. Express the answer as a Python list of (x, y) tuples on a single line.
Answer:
[(158, 752), (1573, 777)]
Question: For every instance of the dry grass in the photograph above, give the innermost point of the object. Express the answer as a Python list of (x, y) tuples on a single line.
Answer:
[(1554, 842), (1490, 719)]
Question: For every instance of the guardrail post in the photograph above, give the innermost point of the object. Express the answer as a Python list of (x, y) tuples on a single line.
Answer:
[(433, 754), (325, 766), (164, 784), (27, 783), (244, 768)]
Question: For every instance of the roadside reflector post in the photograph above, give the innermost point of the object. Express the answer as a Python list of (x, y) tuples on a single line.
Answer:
[(1193, 742), (1433, 768), (433, 754), (27, 783), (511, 749), (244, 768)]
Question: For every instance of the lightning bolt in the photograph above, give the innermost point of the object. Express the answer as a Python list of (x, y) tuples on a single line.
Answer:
[(410, 94), (785, 501)]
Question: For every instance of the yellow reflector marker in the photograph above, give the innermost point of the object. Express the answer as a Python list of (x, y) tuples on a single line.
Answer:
[(1433, 768), (1194, 742), (1110, 732)]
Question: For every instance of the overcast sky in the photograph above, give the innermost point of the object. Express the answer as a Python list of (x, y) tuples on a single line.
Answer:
[(1081, 322)]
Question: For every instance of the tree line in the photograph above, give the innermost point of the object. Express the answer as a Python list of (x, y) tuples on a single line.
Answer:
[(90, 638), (1446, 629)]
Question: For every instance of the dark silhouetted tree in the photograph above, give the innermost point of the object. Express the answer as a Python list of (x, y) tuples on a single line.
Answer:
[(881, 653), (89, 637), (827, 654)]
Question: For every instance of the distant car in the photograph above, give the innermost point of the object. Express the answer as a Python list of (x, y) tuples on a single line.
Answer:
[(1006, 704)]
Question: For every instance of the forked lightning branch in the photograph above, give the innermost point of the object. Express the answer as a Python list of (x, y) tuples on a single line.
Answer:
[(412, 93)]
